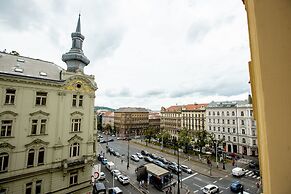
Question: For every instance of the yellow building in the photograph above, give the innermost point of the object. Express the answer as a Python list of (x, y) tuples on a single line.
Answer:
[(47, 122), (270, 72)]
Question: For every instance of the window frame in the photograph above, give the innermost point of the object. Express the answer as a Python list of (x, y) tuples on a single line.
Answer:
[(10, 97), (74, 148), (6, 126), (41, 98), (4, 156), (73, 178)]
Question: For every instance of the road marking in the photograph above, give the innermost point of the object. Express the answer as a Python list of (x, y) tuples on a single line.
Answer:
[(254, 176), (258, 177), (214, 181), (227, 187), (197, 185), (220, 179), (221, 192), (189, 176), (199, 179), (195, 191)]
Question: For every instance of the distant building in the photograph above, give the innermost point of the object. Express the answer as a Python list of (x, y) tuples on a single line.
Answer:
[(155, 121), (131, 121), (171, 119), (193, 117), (233, 122), (46, 118), (108, 118)]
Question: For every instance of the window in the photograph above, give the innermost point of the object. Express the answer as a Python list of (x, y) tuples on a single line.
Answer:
[(217, 120), (40, 160), (227, 113), (28, 189), (214, 129), (41, 98), (222, 113), (243, 140), (222, 121), (217, 113), (209, 128), (209, 113), (223, 129), (234, 139), (4, 158), (3, 191), (74, 149), (209, 120), (10, 96), (251, 113), (254, 142), (76, 125), (38, 126), (73, 178), (228, 122), (253, 132), (77, 100), (213, 113), (218, 136), (38, 187), (228, 137), (242, 113), (243, 131), (233, 122), (30, 158), (233, 130), (6, 128), (228, 130), (242, 122)]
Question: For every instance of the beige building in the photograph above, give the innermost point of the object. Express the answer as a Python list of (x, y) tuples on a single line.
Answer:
[(193, 117), (108, 118), (131, 121), (47, 122), (155, 121), (171, 119)]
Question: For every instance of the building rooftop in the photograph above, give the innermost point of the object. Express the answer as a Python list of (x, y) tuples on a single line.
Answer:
[(17, 65), (131, 109), (229, 104)]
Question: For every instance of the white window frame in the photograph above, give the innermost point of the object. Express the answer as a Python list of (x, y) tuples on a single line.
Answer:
[(74, 148), (6, 127), (41, 98), (73, 178), (39, 124), (76, 125), (10, 96)]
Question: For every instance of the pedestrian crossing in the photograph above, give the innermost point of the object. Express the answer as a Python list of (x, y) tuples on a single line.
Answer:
[(251, 174), (244, 161)]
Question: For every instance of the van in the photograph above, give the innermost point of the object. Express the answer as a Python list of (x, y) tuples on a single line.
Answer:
[(238, 171), (110, 166), (115, 190)]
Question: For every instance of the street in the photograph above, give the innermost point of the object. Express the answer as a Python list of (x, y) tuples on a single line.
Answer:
[(193, 182)]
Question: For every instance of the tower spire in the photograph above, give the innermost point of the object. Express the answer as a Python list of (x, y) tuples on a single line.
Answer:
[(75, 58)]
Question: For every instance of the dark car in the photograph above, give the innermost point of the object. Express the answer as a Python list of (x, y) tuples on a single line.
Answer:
[(99, 188), (164, 160), (103, 141), (145, 153), (257, 172), (236, 187), (254, 165), (100, 157), (148, 159), (110, 140), (153, 156), (174, 169)]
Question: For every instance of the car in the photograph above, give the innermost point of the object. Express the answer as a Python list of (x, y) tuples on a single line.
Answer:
[(110, 150), (115, 172), (153, 156), (110, 140), (254, 165), (117, 154), (257, 172), (123, 179), (186, 169), (99, 188), (134, 158), (102, 176), (100, 157), (104, 161), (238, 172), (103, 141), (236, 187), (174, 169), (209, 189), (144, 152), (120, 138), (164, 160), (148, 159), (173, 163), (139, 155), (115, 190), (100, 136)]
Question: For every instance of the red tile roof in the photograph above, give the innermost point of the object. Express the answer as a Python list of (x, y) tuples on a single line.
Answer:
[(186, 107)]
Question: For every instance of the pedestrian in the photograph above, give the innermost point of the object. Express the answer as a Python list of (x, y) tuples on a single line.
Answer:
[(233, 162), (223, 165)]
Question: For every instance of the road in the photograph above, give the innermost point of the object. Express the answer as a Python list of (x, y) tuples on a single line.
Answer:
[(192, 182)]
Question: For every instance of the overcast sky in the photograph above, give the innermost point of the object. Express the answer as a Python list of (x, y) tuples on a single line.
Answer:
[(144, 53)]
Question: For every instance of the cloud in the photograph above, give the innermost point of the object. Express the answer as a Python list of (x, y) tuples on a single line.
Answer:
[(153, 93), (197, 31), (125, 92)]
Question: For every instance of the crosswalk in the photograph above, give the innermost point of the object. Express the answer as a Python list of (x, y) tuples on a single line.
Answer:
[(244, 161), (251, 174)]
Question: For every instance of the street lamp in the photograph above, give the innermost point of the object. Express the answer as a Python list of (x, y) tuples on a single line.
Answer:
[(178, 192)]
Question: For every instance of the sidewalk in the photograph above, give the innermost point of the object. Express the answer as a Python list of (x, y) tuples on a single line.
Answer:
[(195, 163)]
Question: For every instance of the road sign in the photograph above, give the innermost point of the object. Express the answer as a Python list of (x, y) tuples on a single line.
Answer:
[(96, 171)]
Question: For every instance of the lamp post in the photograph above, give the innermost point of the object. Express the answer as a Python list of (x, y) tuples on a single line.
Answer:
[(127, 151), (216, 153), (178, 191)]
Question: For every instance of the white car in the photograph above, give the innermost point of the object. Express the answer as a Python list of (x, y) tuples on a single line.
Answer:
[(134, 158), (101, 176), (139, 155), (238, 172), (209, 189), (123, 179), (116, 172), (186, 169)]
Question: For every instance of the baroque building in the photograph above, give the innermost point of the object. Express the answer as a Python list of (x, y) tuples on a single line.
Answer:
[(131, 121), (47, 123), (171, 120), (233, 122)]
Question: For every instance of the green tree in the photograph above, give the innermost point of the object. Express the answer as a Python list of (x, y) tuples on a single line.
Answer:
[(202, 138), (150, 133), (214, 142), (164, 137), (184, 139)]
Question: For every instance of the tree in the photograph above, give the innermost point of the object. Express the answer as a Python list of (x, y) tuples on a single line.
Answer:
[(214, 142), (150, 133), (164, 136), (184, 139), (202, 138), (107, 128)]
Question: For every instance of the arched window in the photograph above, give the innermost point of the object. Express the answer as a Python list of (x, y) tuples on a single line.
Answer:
[(4, 158), (74, 149), (227, 113), (243, 140), (243, 131), (242, 113), (30, 158), (40, 160)]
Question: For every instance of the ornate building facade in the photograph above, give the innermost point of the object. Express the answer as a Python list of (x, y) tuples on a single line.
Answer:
[(233, 122), (171, 119), (47, 123)]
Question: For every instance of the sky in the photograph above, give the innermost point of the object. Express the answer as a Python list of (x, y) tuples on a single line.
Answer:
[(143, 53)]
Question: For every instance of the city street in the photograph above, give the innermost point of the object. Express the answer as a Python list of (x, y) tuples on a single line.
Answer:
[(193, 182)]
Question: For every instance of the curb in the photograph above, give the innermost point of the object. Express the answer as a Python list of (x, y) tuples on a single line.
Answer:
[(138, 189), (182, 157)]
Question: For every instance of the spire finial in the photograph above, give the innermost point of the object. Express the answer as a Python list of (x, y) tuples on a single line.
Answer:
[(78, 29)]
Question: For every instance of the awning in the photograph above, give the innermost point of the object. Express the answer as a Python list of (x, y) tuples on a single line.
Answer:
[(156, 170)]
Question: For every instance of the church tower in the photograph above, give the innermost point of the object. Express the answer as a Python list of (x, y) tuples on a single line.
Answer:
[(75, 58)]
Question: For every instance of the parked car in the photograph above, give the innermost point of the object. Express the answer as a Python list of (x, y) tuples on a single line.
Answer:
[(139, 155), (110, 166), (153, 156), (173, 163), (148, 159), (164, 160), (134, 158), (238, 172), (236, 187), (159, 163), (103, 141), (110, 140), (115, 190), (102, 176), (257, 172), (186, 169), (144, 152), (254, 165), (123, 179), (209, 189), (115, 172), (100, 157), (104, 161), (99, 188), (174, 169), (117, 154)]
